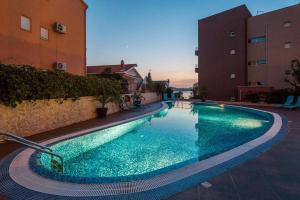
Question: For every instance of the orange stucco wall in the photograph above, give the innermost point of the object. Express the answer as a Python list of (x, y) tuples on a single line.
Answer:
[(26, 47)]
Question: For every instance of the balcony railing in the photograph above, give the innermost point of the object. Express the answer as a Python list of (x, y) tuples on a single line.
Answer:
[(196, 69), (196, 51)]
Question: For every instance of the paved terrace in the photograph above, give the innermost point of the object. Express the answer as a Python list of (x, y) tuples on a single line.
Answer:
[(273, 175)]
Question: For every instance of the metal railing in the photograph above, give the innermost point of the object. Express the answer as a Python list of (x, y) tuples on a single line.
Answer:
[(33, 145)]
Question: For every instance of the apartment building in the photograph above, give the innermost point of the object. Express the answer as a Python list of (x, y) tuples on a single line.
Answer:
[(46, 34), (238, 52)]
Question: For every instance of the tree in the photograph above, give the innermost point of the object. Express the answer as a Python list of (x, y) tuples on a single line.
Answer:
[(108, 74), (293, 75), (108, 91), (169, 91), (149, 82), (203, 93)]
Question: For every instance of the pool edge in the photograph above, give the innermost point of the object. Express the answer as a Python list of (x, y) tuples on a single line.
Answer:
[(181, 183)]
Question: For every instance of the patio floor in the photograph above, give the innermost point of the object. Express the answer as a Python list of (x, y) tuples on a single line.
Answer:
[(272, 175)]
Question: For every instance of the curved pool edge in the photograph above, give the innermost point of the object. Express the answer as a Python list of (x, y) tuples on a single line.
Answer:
[(162, 185)]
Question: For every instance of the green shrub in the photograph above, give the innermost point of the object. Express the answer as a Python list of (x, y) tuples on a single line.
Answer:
[(253, 97), (114, 76), (108, 91), (274, 97), (19, 83), (278, 96)]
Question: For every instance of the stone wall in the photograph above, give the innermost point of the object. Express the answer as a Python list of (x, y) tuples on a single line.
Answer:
[(150, 97), (30, 118)]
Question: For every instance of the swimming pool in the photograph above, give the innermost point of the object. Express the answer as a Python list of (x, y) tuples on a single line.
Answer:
[(150, 156), (170, 139)]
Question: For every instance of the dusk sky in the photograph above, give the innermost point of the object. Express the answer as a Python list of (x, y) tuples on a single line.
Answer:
[(158, 35)]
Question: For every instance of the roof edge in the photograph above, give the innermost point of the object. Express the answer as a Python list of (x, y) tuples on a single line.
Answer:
[(134, 65), (279, 9), (85, 4), (225, 11)]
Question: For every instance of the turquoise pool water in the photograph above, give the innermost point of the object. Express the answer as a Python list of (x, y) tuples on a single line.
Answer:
[(169, 139)]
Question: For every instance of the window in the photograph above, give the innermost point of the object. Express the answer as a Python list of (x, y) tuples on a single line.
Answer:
[(232, 76), (232, 51), (255, 40), (232, 34), (257, 62), (287, 24), (262, 61), (252, 63), (44, 34), (25, 23), (287, 45)]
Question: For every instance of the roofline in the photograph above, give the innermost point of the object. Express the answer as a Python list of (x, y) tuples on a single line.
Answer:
[(280, 9), (85, 4), (136, 72), (225, 11), (130, 76), (134, 65)]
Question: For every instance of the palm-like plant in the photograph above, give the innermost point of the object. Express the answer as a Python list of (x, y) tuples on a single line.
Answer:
[(107, 91)]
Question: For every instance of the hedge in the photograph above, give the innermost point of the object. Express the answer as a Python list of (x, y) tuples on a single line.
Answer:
[(275, 97), (24, 82)]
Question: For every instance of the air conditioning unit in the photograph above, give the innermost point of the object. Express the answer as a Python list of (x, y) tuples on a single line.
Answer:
[(61, 66), (60, 28)]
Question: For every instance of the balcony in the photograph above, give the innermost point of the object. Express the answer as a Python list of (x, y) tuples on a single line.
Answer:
[(196, 51), (196, 69)]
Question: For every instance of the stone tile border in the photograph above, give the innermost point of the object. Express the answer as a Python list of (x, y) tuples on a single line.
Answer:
[(20, 172)]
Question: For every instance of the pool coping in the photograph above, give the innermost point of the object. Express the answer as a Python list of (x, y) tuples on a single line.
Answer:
[(20, 172)]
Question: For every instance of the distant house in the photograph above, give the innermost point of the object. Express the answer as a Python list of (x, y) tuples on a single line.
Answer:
[(127, 71), (157, 86)]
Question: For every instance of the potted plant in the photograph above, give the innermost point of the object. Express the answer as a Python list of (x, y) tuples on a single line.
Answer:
[(107, 91), (137, 98)]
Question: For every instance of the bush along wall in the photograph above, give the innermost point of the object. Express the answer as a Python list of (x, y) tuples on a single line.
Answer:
[(274, 97), (23, 82)]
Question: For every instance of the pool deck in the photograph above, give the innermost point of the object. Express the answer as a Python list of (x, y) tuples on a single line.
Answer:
[(274, 174)]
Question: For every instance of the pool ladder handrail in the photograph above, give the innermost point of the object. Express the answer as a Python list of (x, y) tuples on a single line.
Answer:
[(33, 145)]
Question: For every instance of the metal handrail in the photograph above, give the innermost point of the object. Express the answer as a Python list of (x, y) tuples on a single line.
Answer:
[(35, 146), (9, 135)]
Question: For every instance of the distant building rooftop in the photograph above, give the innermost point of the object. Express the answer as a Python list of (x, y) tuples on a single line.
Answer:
[(98, 69)]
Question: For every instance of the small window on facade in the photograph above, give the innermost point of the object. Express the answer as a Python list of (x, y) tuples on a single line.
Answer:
[(44, 34), (232, 34), (232, 76), (287, 45), (25, 23), (259, 39), (287, 24), (232, 51), (252, 63), (262, 61)]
